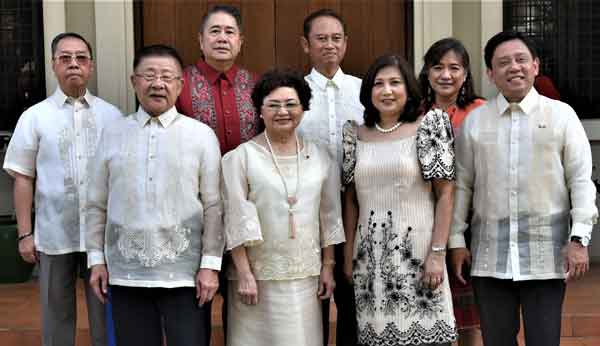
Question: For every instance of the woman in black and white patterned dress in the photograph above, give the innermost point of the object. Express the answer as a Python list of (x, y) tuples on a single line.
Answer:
[(399, 177)]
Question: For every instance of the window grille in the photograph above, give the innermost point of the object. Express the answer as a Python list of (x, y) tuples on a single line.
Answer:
[(567, 36), (22, 81)]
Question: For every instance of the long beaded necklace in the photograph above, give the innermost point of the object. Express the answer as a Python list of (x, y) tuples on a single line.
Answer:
[(291, 199), (391, 129)]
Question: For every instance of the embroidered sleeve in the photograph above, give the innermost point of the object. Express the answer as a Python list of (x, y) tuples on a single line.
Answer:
[(435, 146), (242, 225), (349, 138), (213, 241), (330, 212)]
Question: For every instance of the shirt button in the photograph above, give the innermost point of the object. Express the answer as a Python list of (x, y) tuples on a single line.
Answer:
[(150, 178), (228, 132), (77, 134), (514, 193), (81, 182), (151, 157)]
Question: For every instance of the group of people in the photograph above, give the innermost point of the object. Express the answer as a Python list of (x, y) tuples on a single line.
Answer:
[(299, 189)]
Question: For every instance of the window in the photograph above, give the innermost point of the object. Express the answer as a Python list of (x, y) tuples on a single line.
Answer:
[(567, 35), (22, 81)]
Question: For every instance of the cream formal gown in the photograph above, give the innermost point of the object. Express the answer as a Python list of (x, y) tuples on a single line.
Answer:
[(286, 266)]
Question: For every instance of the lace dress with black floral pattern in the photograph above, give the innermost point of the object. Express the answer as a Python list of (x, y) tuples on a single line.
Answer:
[(395, 224)]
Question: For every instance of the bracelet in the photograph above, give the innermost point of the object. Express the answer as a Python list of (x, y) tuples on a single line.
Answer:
[(328, 262), (438, 250), (21, 237)]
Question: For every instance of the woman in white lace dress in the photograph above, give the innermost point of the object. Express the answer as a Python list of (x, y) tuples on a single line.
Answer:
[(283, 216), (398, 172)]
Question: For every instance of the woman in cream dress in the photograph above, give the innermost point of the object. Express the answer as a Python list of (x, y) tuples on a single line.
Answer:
[(399, 172), (283, 217)]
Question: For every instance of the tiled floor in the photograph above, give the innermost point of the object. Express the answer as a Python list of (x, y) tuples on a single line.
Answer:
[(20, 311)]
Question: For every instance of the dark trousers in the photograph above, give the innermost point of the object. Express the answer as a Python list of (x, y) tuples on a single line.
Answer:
[(140, 314), (58, 277), (223, 286), (499, 302), (346, 325)]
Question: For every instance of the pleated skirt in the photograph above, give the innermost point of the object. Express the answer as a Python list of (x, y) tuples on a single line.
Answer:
[(288, 313)]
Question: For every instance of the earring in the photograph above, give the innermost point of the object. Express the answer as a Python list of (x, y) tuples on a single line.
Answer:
[(430, 98), (461, 96)]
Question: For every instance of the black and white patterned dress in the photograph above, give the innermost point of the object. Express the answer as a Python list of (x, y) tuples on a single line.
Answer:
[(393, 236)]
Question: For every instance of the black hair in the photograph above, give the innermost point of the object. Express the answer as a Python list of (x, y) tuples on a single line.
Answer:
[(411, 109), (324, 12), (432, 57), (228, 9), (502, 37), (59, 37), (277, 78), (157, 50)]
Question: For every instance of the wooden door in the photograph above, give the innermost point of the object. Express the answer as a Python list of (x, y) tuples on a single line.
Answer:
[(272, 29)]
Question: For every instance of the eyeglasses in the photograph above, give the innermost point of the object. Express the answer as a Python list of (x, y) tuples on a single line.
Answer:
[(80, 59), (277, 107), (153, 77)]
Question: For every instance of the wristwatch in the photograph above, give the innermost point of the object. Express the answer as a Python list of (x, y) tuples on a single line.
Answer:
[(583, 241)]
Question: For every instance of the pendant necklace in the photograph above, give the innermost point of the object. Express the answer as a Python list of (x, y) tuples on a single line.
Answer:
[(391, 129), (291, 199)]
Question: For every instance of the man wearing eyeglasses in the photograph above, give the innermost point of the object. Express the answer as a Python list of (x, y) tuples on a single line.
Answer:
[(49, 153), (155, 214), (335, 100)]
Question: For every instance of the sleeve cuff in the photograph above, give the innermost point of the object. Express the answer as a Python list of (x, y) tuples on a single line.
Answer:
[(13, 170), (95, 257), (211, 262), (456, 241), (581, 230)]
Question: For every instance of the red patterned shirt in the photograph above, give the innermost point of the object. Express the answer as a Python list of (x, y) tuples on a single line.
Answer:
[(222, 101)]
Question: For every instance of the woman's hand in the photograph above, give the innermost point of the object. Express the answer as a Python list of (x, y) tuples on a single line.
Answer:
[(247, 288), (433, 275), (326, 282)]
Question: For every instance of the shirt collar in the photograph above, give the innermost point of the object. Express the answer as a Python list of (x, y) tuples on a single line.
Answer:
[(165, 119), (213, 75), (321, 81), (60, 98), (527, 105)]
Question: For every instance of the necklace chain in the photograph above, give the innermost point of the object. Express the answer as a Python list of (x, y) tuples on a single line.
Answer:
[(291, 199), (391, 129)]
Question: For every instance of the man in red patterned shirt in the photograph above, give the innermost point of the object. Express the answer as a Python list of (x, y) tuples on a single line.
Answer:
[(215, 90)]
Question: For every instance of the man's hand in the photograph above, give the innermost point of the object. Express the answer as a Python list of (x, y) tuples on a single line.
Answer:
[(458, 258), (577, 261), (27, 250), (326, 282), (207, 283), (433, 268), (99, 281), (247, 288)]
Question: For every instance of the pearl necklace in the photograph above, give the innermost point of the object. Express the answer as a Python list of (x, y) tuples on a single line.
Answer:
[(291, 199), (391, 129)]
